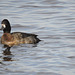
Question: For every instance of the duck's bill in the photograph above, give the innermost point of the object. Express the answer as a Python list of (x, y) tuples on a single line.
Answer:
[(2, 28)]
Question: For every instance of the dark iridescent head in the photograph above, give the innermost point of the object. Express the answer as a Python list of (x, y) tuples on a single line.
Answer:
[(6, 26)]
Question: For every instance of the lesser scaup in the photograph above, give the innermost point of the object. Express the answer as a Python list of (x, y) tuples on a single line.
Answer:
[(16, 38)]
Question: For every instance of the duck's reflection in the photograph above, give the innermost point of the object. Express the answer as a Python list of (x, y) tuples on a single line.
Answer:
[(7, 59), (7, 51), (7, 54)]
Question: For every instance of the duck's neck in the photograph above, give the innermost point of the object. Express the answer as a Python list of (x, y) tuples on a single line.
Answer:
[(7, 30)]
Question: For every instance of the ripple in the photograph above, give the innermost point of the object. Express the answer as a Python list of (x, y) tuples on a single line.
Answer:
[(53, 21)]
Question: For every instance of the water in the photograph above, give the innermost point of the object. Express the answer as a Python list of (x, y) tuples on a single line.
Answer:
[(54, 22)]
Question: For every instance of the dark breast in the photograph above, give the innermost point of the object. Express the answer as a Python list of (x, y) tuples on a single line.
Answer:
[(25, 38)]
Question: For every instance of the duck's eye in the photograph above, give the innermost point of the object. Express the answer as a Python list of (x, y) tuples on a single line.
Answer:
[(3, 25)]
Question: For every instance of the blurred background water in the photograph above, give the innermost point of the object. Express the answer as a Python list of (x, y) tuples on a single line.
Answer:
[(54, 22)]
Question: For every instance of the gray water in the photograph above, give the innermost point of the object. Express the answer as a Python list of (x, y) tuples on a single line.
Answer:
[(54, 23)]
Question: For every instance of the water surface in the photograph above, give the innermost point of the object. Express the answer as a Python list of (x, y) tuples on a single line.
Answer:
[(54, 22)]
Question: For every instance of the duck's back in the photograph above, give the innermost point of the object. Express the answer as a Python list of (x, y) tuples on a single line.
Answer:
[(25, 38)]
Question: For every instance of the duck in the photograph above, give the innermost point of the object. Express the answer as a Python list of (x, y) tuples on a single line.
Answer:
[(10, 39)]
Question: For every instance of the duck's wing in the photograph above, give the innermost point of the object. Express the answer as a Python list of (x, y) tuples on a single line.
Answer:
[(24, 35), (29, 38)]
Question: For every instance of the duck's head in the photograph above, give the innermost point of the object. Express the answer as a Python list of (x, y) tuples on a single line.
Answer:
[(6, 26)]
